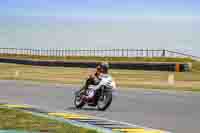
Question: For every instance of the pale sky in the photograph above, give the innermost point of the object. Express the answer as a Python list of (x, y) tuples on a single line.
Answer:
[(172, 24)]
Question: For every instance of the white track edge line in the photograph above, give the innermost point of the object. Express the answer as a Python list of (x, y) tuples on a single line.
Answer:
[(102, 118)]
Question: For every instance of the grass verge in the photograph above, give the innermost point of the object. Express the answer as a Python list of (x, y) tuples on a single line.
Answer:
[(98, 59), (187, 81), (11, 119)]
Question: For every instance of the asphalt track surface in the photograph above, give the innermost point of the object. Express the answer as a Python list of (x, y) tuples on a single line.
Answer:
[(176, 112)]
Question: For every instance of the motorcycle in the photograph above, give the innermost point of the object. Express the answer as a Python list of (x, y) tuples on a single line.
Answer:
[(102, 98)]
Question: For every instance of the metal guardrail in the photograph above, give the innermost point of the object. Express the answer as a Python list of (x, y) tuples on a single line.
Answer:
[(183, 54), (96, 52)]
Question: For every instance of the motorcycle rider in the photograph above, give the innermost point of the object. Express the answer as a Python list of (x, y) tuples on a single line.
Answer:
[(97, 80), (93, 78)]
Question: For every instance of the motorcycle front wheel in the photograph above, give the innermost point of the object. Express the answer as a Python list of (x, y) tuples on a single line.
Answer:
[(104, 101), (78, 102)]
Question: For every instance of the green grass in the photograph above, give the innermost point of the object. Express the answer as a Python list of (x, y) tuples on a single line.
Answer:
[(189, 81), (17, 120), (95, 58), (196, 66)]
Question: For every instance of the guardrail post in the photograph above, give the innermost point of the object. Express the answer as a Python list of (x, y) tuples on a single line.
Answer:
[(52, 52), (163, 53), (122, 50), (56, 52), (62, 52), (59, 52), (30, 52), (25, 51), (40, 52), (127, 53), (35, 52), (141, 52), (66, 52)]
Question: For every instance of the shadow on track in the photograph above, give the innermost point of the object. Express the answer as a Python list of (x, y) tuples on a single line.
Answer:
[(84, 109), (88, 109)]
